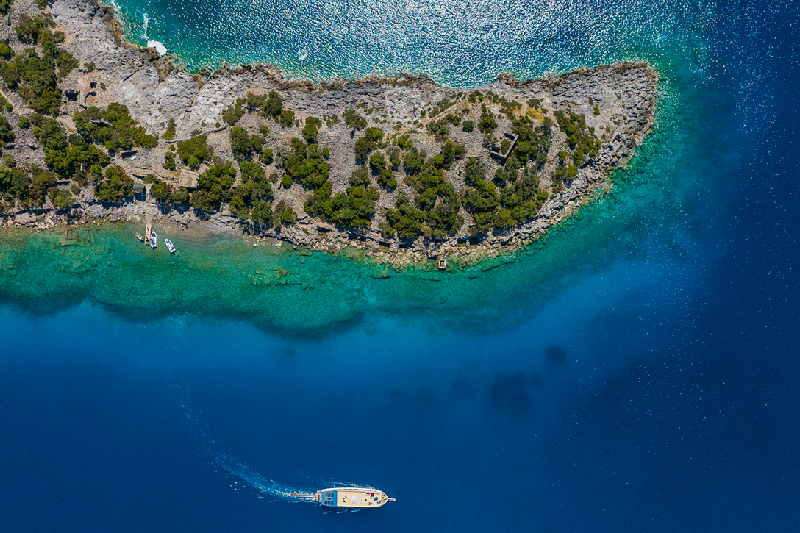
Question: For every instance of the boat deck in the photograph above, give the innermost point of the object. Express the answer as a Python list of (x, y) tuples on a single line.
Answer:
[(352, 497)]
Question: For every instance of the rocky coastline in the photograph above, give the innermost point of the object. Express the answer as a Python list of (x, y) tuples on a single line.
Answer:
[(614, 106)]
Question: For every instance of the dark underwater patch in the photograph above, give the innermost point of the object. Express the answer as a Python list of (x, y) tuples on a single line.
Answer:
[(556, 354), (509, 392)]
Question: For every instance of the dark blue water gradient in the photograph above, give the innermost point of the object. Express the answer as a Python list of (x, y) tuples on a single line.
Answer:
[(674, 407)]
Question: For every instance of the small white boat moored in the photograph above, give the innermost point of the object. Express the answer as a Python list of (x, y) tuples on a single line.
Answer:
[(153, 240), (170, 246)]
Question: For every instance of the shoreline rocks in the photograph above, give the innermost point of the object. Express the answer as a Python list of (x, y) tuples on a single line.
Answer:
[(617, 103)]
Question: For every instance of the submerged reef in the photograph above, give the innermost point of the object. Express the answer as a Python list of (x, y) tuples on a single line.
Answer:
[(402, 168)]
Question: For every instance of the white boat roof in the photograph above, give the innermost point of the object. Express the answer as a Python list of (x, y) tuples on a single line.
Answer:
[(353, 497)]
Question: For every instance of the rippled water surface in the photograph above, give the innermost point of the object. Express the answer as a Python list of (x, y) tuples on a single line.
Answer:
[(457, 42), (634, 371)]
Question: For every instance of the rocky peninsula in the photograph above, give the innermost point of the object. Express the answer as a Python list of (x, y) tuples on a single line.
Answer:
[(402, 168)]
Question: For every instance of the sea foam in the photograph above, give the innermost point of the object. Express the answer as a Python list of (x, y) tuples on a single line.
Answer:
[(158, 45)]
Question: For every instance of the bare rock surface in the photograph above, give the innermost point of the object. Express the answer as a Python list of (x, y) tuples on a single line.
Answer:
[(617, 101)]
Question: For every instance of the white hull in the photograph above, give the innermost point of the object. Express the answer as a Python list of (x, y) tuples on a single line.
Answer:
[(352, 497)]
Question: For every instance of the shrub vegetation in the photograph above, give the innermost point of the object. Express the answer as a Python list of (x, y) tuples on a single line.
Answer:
[(354, 120), (214, 186), (353, 208), (169, 135), (112, 127), (70, 157), (366, 144), (194, 151), (304, 163), (243, 144), (115, 186), (35, 77), (581, 140)]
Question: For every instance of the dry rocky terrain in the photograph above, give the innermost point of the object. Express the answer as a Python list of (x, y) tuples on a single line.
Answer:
[(608, 109)]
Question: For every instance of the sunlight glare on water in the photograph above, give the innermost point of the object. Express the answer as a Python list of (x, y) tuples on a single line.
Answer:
[(641, 359), (459, 42)]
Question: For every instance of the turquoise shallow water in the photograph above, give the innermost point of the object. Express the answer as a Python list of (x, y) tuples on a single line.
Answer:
[(634, 371), (459, 42), (652, 216)]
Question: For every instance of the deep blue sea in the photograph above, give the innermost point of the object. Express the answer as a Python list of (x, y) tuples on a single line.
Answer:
[(637, 371)]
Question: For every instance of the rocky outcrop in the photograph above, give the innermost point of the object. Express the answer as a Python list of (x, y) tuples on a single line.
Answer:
[(617, 101)]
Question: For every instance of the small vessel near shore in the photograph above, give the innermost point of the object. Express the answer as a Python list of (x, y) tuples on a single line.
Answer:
[(349, 497), (139, 236), (153, 239), (170, 246)]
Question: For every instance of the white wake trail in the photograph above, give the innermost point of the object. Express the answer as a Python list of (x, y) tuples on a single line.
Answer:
[(266, 486), (225, 460), (218, 453)]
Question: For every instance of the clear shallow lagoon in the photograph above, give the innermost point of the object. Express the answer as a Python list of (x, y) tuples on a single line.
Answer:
[(135, 386)]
